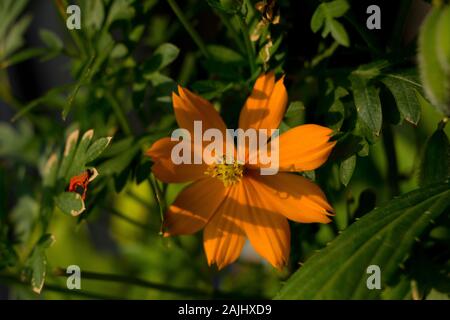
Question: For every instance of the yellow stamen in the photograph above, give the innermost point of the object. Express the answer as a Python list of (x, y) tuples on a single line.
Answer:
[(229, 173)]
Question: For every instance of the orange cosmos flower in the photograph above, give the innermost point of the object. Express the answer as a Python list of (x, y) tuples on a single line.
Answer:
[(233, 202)]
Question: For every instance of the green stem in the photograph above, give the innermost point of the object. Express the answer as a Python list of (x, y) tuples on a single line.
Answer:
[(226, 20), (119, 114), (190, 292), (13, 280), (61, 5), (248, 45), (189, 28), (366, 36), (120, 215), (157, 194)]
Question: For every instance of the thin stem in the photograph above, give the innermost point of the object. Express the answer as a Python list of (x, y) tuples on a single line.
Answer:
[(191, 292), (248, 45), (120, 215), (366, 36), (233, 32), (189, 28), (158, 197), (119, 114), (61, 5), (13, 280)]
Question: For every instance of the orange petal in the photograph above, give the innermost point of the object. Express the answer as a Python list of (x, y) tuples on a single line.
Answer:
[(266, 105), (165, 170), (194, 206), (304, 148), (190, 107), (293, 196), (267, 231), (224, 238)]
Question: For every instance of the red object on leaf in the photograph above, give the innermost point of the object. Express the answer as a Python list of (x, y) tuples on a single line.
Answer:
[(80, 182)]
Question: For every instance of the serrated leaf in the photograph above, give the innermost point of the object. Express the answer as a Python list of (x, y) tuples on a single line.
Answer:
[(405, 96), (435, 159), (367, 103), (435, 80), (70, 203), (383, 237), (346, 169)]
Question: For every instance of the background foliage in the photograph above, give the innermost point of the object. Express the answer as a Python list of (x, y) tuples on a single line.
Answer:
[(100, 96)]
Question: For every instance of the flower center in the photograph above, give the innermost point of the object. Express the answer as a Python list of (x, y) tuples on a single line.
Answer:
[(229, 173)]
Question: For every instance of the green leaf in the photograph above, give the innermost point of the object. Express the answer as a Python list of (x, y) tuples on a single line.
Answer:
[(143, 171), (210, 89), (346, 169), (443, 36), (24, 217), (434, 78), (405, 96), (9, 11), (225, 55), (78, 164), (85, 76), (93, 15), (119, 51), (383, 237), (325, 15), (14, 38), (367, 103), (70, 203), (317, 19), (226, 6), (338, 32), (51, 40), (334, 118), (335, 9), (295, 109), (69, 152), (118, 163), (435, 159), (164, 55), (36, 264), (97, 148), (119, 10)]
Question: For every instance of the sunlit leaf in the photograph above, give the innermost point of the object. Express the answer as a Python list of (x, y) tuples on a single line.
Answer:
[(383, 237), (70, 203), (435, 159)]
